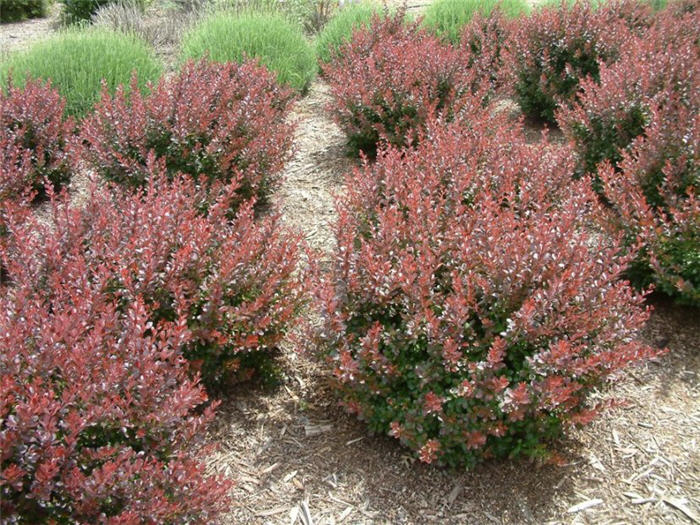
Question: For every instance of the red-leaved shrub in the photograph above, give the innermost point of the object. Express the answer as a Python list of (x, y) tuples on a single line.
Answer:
[(661, 71), (553, 49), (34, 134), (216, 120), (482, 40), (653, 196), (233, 279), (470, 309), (391, 77), (99, 419)]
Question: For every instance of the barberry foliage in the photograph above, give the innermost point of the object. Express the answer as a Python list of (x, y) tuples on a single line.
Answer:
[(391, 77), (553, 49), (659, 75), (653, 198), (34, 135), (233, 280), (222, 121), (482, 41), (471, 309), (100, 421)]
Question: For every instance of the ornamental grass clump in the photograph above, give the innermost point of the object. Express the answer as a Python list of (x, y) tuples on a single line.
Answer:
[(338, 31), (385, 88), (447, 18), (79, 62), (34, 138), (551, 51), (278, 43), (224, 122), (470, 309), (100, 419)]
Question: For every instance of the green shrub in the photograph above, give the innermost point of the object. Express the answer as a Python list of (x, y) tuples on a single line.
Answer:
[(77, 62), (271, 38), (446, 18), (78, 10), (14, 10), (339, 30)]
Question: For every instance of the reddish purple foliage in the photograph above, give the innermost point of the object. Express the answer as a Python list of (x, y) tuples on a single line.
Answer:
[(555, 48), (659, 75), (98, 415), (34, 134), (470, 310), (653, 197), (233, 279), (391, 77), (222, 121)]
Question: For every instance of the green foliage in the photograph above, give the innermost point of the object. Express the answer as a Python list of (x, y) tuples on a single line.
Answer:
[(341, 27), (276, 42), (75, 11), (14, 10), (77, 62), (446, 18)]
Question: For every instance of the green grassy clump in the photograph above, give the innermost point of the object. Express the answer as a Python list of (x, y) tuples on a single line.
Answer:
[(276, 42), (340, 28), (446, 18), (15, 10), (77, 62)]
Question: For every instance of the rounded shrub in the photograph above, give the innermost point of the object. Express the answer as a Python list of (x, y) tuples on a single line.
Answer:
[(653, 199), (78, 63), (276, 42), (553, 49), (230, 282), (338, 31), (100, 420), (660, 71), (34, 138), (384, 88), (225, 122), (447, 18), (15, 10), (470, 309), (483, 44)]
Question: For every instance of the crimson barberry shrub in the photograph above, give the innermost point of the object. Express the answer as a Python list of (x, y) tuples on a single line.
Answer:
[(637, 16), (390, 78), (216, 120), (660, 71), (553, 49), (653, 197), (471, 307), (233, 279), (100, 421), (482, 40), (33, 126)]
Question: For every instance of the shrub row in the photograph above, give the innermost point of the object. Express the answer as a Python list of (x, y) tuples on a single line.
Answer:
[(480, 288), (223, 122), (114, 309)]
